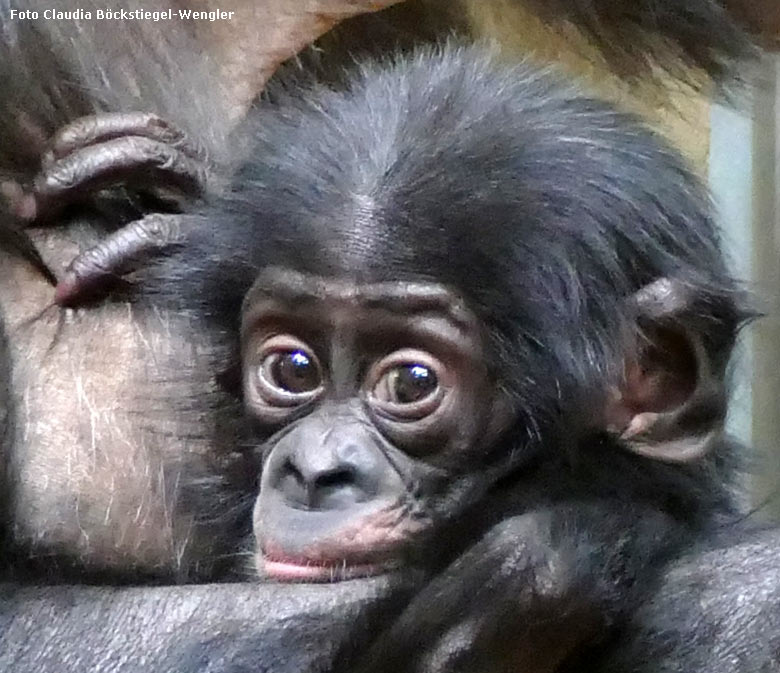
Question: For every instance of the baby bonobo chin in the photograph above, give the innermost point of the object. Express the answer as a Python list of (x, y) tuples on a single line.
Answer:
[(364, 389), (369, 546)]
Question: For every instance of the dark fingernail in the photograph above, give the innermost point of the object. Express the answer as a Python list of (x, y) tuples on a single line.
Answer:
[(27, 208)]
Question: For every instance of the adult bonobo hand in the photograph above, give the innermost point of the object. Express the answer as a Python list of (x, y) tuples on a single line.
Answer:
[(172, 150), (245, 42)]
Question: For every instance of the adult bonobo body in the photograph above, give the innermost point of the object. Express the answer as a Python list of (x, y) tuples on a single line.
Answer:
[(480, 325)]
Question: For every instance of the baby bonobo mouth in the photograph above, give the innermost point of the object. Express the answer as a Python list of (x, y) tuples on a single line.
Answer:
[(286, 568)]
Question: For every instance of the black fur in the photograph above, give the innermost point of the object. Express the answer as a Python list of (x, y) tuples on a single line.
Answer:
[(547, 210)]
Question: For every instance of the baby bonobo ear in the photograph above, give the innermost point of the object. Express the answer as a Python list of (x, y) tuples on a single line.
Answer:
[(670, 405)]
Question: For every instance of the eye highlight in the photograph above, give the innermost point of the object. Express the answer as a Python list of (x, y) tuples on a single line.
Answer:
[(288, 373), (407, 385), (293, 372)]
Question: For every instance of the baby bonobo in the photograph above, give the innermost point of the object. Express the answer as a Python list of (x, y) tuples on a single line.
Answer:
[(478, 323), (375, 388)]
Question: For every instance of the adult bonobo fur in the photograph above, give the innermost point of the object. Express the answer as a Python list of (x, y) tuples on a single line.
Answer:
[(71, 485), (698, 42), (479, 325)]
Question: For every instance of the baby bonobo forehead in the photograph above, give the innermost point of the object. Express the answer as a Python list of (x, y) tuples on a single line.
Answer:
[(348, 303)]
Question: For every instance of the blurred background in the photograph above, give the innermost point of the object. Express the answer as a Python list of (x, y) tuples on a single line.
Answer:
[(743, 171)]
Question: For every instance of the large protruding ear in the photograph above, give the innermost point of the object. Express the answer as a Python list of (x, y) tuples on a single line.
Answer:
[(671, 404)]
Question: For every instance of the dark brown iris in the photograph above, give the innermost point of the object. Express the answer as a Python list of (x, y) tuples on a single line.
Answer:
[(407, 384), (293, 372)]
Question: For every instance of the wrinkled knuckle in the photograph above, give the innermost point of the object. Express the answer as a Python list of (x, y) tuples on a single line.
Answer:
[(158, 229), (152, 228), (94, 262), (153, 121)]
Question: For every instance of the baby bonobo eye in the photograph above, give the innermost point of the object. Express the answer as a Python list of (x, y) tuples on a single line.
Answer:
[(406, 385), (288, 373), (291, 371)]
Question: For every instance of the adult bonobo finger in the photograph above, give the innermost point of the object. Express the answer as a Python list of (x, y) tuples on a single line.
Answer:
[(137, 151), (119, 254), (131, 160), (95, 129)]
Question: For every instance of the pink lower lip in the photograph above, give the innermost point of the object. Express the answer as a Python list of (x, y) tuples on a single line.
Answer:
[(285, 571)]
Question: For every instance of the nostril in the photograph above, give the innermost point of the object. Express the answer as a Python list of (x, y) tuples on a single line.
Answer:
[(335, 479), (338, 488), (291, 479), (290, 470), (332, 488)]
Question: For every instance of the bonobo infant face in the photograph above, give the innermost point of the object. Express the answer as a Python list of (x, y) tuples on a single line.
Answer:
[(369, 391)]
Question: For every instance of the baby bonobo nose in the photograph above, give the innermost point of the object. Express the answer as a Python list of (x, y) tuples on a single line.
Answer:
[(328, 478)]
